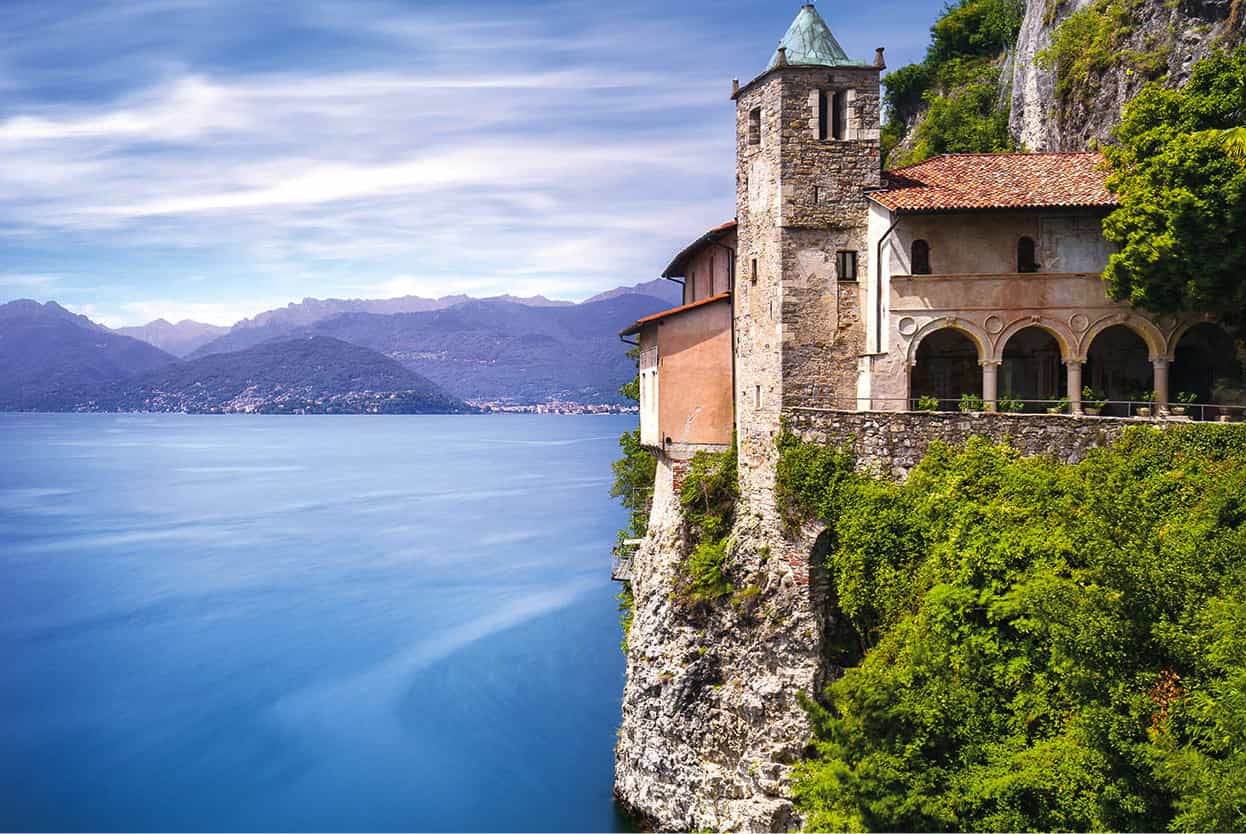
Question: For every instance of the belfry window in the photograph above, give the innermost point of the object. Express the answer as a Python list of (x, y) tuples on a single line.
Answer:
[(839, 114), (1025, 255), (919, 260), (754, 126)]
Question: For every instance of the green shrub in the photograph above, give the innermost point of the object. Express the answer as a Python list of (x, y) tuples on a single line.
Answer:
[(1045, 646), (708, 494), (1091, 41), (970, 402), (1009, 403), (708, 498), (634, 471), (958, 84), (809, 478), (705, 573), (627, 612)]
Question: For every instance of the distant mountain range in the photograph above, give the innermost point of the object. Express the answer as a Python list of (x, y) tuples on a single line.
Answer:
[(50, 358), (408, 355), (306, 375), (178, 339)]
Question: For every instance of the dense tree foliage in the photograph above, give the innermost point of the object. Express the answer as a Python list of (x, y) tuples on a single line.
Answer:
[(1045, 646), (1180, 175), (958, 84)]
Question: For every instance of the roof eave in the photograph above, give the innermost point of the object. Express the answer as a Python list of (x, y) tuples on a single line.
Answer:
[(967, 209), (675, 269), (640, 324)]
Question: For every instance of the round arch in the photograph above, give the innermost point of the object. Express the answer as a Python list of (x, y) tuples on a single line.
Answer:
[(1146, 330), (1177, 333), (1032, 366), (969, 329), (946, 365), (1064, 338), (1207, 369), (1120, 365)]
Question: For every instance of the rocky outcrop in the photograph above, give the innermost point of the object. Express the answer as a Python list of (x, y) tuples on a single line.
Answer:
[(1144, 40), (711, 725)]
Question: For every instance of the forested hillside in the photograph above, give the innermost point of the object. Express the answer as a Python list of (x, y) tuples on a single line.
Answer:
[(956, 100), (1043, 74)]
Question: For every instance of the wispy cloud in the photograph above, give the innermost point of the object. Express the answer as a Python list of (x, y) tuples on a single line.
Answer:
[(18, 279), (188, 151)]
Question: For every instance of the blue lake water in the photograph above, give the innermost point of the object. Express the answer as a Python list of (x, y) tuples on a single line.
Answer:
[(311, 623)]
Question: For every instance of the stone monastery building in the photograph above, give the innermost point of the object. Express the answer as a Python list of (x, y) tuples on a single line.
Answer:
[(843, 288)]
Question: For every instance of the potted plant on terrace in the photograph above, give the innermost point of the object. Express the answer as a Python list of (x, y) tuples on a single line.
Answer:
[(1093, 402), (1010, 404), (1146, 397), (927, 402), (1185, 399), (971, 403), (1059, 406)]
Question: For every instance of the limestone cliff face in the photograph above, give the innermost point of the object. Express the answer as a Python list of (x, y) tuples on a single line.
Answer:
[(1153, 39), (711, 726)]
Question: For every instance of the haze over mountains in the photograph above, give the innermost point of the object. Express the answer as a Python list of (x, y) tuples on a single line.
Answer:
[(406, 355), (178, 339)]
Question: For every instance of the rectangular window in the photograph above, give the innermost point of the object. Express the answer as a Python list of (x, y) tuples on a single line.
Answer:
[(753, 273), (846, 266), (754, 126), (816, 195), (839, 114), (756, 396), (822, 115)]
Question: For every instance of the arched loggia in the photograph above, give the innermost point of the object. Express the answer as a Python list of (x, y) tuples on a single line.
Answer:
[(1032, 368), (1207, 367), (1118, 367), (946, 367)]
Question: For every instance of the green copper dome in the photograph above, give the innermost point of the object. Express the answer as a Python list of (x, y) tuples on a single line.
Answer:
[(809, 42)]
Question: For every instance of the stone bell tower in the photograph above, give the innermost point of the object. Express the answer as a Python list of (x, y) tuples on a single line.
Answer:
[(807, 147)]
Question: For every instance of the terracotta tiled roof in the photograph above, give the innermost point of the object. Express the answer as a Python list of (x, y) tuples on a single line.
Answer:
[(677, 266), (639, 323), (996, 181)]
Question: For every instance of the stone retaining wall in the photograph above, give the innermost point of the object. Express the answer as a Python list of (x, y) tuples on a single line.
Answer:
[(892, 443)]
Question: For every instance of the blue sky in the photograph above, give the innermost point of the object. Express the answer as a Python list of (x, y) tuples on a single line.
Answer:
[(211, 159)]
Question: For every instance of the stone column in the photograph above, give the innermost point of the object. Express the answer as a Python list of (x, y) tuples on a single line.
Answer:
[(1074, 372), (1160, 364), (990, 382)]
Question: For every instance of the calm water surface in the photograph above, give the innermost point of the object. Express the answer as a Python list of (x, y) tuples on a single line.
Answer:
[(344, 623)]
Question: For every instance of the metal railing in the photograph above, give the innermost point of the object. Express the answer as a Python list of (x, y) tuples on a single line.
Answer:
[(621, 560), (1131, 409)]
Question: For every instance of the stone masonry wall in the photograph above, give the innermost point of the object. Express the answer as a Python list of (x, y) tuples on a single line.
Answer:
[(890, 444), (800, 201), (758, 376)]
